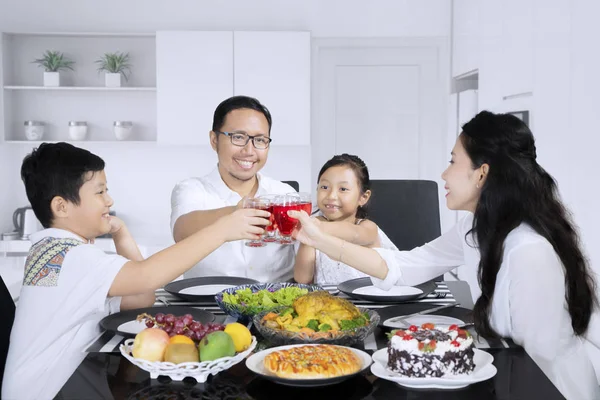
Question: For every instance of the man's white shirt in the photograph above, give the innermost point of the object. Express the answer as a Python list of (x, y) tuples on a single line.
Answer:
[(271, 263)]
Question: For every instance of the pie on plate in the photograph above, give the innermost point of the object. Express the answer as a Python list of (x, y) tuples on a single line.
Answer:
[(312, 362)]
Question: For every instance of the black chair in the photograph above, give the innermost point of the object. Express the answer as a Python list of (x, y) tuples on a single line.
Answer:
[(407, 211), (7, 316), (293, 184)]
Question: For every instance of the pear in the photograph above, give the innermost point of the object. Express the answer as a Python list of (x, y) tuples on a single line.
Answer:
[(216, 345)]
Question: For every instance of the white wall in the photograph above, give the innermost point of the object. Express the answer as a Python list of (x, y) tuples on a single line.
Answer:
[(141, 177), (331, 18), (554, 59)]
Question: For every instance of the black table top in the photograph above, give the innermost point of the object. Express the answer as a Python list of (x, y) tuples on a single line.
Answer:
[(109, 375)]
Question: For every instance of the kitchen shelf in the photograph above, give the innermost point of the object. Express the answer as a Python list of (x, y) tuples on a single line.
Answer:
[(85, 88)]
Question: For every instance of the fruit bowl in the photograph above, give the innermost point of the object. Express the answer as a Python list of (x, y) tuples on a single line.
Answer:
[(246, 312), (344, 338), (177, 372)]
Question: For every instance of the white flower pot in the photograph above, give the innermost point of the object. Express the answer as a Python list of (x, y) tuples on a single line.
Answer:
[(112, 80), (51, 78)]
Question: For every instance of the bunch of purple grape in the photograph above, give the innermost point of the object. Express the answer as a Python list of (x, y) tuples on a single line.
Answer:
[(181, 325)]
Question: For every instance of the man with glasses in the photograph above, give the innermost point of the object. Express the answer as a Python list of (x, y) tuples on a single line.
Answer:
[(240, 136)]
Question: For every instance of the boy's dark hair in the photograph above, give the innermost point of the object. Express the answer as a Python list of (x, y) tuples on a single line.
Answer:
[(360, 170), (56, 169), (236, 103)]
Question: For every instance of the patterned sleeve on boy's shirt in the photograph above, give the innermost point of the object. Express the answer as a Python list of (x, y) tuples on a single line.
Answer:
[(45, 260)]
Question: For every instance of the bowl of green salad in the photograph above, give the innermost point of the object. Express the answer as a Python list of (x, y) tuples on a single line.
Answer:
[(245, 301)]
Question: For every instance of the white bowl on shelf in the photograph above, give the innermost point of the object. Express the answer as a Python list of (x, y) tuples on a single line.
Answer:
[(177, 372)]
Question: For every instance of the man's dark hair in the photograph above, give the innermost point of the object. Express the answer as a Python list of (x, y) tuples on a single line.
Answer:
[(56, 169), (236, 103)]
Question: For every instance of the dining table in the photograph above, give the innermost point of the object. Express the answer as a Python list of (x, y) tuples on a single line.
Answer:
[(106, 374)]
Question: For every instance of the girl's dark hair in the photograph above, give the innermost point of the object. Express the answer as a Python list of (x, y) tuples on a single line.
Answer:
[(518, 190), (56, 169), (360, 170)]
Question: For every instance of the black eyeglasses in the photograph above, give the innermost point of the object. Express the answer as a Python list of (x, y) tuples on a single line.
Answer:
[(260, 142)]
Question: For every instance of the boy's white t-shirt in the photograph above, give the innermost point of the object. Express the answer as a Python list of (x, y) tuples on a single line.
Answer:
[(64, 296)]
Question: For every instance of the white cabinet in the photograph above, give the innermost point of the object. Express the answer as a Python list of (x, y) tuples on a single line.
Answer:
[(466, 37), (274, 67), (197, 70), (194, 73)]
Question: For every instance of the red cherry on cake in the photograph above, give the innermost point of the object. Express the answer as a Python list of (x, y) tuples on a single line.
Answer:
[(428, 325), (453, 327), (413, 328), (407, 337), (455, 343), (421, 345), (432, 344), (400, 333)]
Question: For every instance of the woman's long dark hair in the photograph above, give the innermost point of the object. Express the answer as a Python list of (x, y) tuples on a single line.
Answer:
[(360, 170), (518, 190)]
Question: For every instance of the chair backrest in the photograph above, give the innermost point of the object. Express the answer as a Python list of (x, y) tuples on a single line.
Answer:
[(406, 210), (7, 316), (293, 184)]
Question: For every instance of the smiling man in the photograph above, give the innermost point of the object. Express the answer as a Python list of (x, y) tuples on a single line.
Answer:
[(241, 137)]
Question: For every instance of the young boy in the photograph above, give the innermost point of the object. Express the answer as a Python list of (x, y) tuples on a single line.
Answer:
[(70, 284)]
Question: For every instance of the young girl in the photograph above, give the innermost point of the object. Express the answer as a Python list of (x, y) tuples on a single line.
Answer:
[(343, 191), (535, 285)]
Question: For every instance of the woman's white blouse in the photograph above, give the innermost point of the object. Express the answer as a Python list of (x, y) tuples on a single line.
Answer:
[(529, 303)]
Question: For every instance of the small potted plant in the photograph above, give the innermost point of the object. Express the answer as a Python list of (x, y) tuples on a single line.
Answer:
[(114, 65), (53, 62)]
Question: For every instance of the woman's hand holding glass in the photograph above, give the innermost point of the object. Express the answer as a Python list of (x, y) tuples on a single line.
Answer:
[(309, 231)]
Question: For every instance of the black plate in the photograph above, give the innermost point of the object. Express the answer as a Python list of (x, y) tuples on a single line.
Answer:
[(349, 286), (386, 313), (176, 287), (112, 322)]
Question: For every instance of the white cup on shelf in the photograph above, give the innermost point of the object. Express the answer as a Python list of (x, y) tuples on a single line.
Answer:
[(122, 129), (78, 130), (34, 130)]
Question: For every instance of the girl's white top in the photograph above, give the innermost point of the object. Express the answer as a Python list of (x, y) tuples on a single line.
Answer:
[(330, 272)]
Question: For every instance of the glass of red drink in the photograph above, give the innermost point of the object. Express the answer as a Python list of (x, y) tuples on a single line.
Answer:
[(270, 235), (304, 201), (260, 204), (285, 223)]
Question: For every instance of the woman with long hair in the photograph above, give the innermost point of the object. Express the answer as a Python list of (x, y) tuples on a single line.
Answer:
[(534, 283)]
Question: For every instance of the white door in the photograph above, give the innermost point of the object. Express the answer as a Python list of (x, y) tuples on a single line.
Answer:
[(385, 102)]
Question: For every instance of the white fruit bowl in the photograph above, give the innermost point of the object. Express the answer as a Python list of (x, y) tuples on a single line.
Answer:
[(197, 370)]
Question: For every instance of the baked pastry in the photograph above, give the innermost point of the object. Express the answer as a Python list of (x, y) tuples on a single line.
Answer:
[(431, 351), (312, 362)]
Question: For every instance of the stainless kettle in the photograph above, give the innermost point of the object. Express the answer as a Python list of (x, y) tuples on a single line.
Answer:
[(25, 222)]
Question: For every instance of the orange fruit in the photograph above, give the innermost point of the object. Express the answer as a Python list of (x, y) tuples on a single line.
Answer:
[(181, 339)]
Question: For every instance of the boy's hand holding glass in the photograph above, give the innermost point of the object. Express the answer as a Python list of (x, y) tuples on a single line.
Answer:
[(246, 223)]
